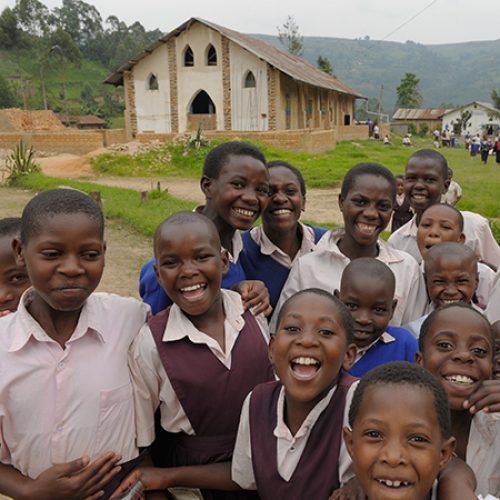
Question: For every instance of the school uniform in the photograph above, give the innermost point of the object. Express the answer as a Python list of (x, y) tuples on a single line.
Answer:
[(199, 387), (153, 294), (56, 404), (478, 236), (310, 464), (395, 344), (493, 309), (323, 269), (262, 260)]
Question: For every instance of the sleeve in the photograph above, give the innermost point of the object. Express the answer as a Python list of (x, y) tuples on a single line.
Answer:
[(146, 385), (346, 469), (416, 300), (150, 290), (493, 310), (242, 466), (411, 347), (487, 247)]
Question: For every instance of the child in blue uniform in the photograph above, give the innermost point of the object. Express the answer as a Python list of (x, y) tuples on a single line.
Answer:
[(367, 290), (235, 183), (271, 248)]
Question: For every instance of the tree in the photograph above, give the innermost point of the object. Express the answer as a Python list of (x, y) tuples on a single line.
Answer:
[(290, 36), (10, 34), (7, 96), (33, 16), (324, 65), (408, 92)]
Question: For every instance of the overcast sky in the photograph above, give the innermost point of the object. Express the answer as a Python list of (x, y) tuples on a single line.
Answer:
[(444, 21)]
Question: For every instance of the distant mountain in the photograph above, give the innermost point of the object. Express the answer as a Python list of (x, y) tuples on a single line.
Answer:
[(449, 74)]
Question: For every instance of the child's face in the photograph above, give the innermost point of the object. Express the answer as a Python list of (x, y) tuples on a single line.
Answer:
[(65, 260), (496, 362), (286, 201), (458, 351), (371, 305), (439, 223), (240, 192), (13, 278), (450, 278), (424, 183), (189, 266), (400, 185), (367, 208), (396, 443), (309, 348)]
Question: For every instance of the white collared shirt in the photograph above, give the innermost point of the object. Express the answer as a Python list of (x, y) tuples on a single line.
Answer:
[(477, 231), (237, 244), (267, 247), (153, 387), (58, 404), (385, 338), (323, 269), (493, 310), (289, 448)]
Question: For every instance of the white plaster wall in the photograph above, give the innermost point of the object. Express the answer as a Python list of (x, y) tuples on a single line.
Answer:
[(249, 106), (153, 106), (200, 76), (478, 120)]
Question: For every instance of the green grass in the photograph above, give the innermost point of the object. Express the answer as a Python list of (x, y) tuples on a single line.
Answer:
[(119, 203)]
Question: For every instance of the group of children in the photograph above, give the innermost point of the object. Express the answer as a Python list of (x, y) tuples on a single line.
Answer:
[(200, 399)]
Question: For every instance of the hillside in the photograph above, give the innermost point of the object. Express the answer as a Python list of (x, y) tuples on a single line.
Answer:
[(452, 74)]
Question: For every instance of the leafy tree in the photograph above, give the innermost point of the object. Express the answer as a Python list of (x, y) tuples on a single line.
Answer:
[(408, 92), (33, 16), (290, 36), (324, 65), (63, 47), (10, 33), (7, 96)]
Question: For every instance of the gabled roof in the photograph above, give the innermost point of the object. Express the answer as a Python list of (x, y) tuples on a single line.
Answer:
[(419, 114), (293, 66), (486, 105)]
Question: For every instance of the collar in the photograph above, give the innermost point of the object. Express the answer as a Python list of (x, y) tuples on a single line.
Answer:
[(179, 325), (385, 338), (26, 327), (410, 228)]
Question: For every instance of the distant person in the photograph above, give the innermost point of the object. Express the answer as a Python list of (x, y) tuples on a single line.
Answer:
[(402, 212), (497, 149), (436, 134), (407, 140), (474, 145), (445, 138), (387, 140), (376, 132), (454, 193), (485, 147)]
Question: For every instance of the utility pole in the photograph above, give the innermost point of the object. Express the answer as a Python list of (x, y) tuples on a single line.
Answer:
[(380, 103)]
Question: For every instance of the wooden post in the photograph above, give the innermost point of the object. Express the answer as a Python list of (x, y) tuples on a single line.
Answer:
[(144, 196)]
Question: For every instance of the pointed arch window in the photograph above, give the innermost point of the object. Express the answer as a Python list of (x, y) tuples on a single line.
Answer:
[(211, 56), (249, 81), (153, 82), (188, 56)]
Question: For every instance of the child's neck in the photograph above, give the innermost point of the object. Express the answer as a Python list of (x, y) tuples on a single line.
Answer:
[(58, 325), (353, 250), (226, 232), (212, 322), (460, 428), (287, 241)]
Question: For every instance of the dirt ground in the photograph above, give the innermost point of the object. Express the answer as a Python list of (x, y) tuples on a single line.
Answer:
[(127, 250)]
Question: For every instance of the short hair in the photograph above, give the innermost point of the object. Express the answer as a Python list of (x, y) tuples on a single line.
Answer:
[(10, 226), (367, 169), (218, 157), (372, 268), (61, 201), (432, 154), (183, 218), (426, 325), (451, 208), (295, 171), (449, 249), (409, 375), (346, 320)]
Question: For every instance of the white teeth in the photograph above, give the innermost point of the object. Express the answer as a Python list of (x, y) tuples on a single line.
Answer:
[(460, 379), (191, 288), (393, 484), (419, 196), (282, 211), (366, 228), (305, 361), (450, 301), (246, 213)]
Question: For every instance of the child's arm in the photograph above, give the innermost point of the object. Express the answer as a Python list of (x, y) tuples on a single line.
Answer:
[(486, 397), (457, 480), (210, 476), (255, 296), (78, 479)]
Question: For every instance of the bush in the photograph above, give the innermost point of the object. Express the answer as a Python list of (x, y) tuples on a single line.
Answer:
[(424, 129), (21, 162)]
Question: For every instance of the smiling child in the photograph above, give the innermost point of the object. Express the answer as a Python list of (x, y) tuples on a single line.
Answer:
[(399, 437), (456, 346)]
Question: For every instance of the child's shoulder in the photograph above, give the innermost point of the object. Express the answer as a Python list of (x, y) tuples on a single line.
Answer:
[(110, 303)]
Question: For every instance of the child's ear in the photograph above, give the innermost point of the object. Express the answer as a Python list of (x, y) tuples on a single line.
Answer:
[(447, 449), (336, 292), (225, 261), (206, 186), (341, 201), (349, 357), (303, 203), (461, 238), (270, 348), (348, 439), (419, 358), (446, 185), (18, 252)]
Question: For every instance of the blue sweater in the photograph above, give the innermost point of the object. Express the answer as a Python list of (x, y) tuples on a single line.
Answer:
[(403, 348), (258, 266), (153, 294)]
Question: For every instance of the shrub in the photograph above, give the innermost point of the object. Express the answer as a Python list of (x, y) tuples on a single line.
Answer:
[(21, 162)]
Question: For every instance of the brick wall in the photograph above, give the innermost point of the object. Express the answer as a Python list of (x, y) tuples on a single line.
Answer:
[(272, 96), (226, 83), (130, 109), (113, 136), (151, 136), (352, 132), (172, 75)]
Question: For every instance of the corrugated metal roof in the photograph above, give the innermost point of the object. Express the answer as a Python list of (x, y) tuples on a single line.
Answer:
[(486, 105), (293, 66), (91, 120), (419, 114)]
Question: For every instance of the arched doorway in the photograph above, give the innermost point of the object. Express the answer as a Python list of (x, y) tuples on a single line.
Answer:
[(202, 112)]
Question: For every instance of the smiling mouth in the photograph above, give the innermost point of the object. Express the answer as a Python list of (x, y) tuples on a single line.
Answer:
[(419, 197), (305, 367), (368, 229), (193, 292), (282, 211), (460, 379), (394, 483), (244, 212)]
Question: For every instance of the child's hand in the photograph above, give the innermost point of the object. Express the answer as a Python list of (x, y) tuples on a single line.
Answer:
[(486, 397), (350, 491), (255, 296), (78, 479), (152, 478)]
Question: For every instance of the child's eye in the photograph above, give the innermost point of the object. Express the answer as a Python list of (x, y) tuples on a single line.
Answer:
[(373, 434), (429, 180), (291, 192), (351, 306), (385, 207), (359, 202), (50, 254), (418, 439), (91, 255), (18, 279), (479, 351), (203, 257), (168, 263), (263, 190), (444, 345), (327, 333), (291, 329), (379, 310), (237, 184)]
